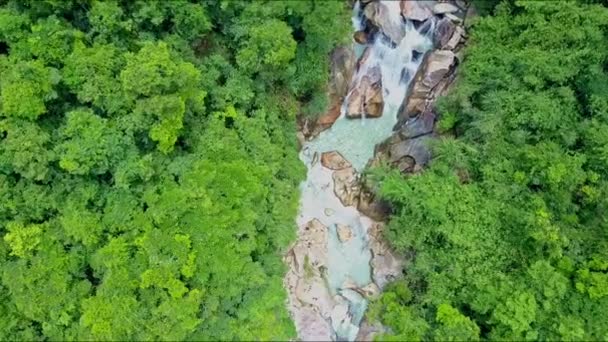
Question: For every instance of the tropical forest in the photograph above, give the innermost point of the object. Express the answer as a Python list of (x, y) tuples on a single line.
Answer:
[(303, 170)]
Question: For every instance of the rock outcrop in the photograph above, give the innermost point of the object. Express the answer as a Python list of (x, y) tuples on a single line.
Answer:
[(346, 186), (343, 63), (436, 65), (333, 160), (305, 280), (365, 97)]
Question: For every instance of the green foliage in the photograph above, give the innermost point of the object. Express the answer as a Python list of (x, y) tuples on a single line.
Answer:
[(508, 226), (148, 165)]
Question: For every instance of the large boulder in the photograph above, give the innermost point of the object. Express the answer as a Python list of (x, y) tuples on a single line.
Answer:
[(386, 264), (334, 160), (342, 66), (435, 66), (346, 186), (390, 24), (408, 148), (443, 32), (365, 98), (415, 10)]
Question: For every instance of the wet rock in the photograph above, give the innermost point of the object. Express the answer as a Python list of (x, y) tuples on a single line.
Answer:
[(438, 66), (435, 66), (379, 16), (346, 186), (345, 233), (443, 33), (328, 211), (361, 37), (444, 7), (415, 10), (366, 96), (334, 160)]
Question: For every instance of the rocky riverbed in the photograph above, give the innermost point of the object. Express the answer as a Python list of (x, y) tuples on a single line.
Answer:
[(382, 93)]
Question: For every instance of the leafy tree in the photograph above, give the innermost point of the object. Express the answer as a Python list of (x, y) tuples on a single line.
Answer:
[(507, 228)]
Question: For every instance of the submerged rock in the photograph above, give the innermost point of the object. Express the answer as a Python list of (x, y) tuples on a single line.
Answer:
[(436, 66), (334, 160)]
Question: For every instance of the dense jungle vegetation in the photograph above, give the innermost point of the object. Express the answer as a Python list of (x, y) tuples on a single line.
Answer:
[(148, 164), (508, 229)]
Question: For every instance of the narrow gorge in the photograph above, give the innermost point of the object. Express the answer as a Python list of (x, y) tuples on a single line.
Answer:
[(340, 260)]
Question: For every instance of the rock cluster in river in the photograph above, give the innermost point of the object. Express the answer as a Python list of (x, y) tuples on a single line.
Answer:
[(319, 311)]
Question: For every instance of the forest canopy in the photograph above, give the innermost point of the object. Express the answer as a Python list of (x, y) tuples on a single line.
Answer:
[(148, 164), (508, 228)]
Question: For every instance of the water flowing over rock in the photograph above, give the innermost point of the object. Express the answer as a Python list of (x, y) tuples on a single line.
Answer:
[(382, 15)]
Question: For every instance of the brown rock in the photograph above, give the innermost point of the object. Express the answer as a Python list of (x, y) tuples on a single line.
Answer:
[(366, 96), (435, 66), (330, 116), (346, 186), (443, 33), (360, 37), (334, 160), (345, 233), (456, 38)]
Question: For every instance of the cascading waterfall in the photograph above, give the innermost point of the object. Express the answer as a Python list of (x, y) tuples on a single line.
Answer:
[(349, 262)]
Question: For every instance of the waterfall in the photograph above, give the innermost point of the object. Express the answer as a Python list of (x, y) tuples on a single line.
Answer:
[(348, 263)]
